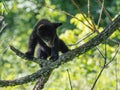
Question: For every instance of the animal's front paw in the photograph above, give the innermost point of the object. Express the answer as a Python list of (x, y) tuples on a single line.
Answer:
[(29, 55)]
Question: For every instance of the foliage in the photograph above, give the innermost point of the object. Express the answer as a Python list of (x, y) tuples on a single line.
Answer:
[(21, 16)]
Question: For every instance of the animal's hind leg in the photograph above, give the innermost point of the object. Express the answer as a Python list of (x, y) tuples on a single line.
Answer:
[(63, 48), (41, 54)]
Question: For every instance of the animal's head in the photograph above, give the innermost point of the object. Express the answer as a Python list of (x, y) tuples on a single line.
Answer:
[(47, 31)]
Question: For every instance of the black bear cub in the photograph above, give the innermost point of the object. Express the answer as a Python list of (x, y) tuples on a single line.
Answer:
[(44, 34)]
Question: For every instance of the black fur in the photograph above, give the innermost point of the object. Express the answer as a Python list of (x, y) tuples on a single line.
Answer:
[(44, 34)]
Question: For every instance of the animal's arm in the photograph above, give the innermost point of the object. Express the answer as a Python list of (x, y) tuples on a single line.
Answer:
[(54, 50), (32, 44), (62, 47)]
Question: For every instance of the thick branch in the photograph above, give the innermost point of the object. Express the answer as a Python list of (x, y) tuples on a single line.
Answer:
[(43, 73), (22, 55), (46, 70)]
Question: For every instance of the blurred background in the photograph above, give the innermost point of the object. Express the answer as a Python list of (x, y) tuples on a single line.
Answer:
[(20, 17)]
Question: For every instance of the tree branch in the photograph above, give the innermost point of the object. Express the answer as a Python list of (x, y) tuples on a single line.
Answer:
[(22, 55), (43, 73), (50, 66)]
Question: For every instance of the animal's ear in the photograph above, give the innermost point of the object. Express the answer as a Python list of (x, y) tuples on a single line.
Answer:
[(57, 24), (41, 27)]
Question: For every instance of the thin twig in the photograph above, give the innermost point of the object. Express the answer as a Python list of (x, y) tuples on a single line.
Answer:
[(100, 53), (72, 17), (69, 79), (91, 24), (100, 13), (81, 39), (104, 66), (91, 18), (78, 20), (82, 13), (114, 41), (89, 15), (93, 86), (116, 73), (104, 9), (114, 55), (105, 60), (89, 9)]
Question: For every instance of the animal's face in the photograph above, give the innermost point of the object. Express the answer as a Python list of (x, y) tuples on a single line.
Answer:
[(47, 32)]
